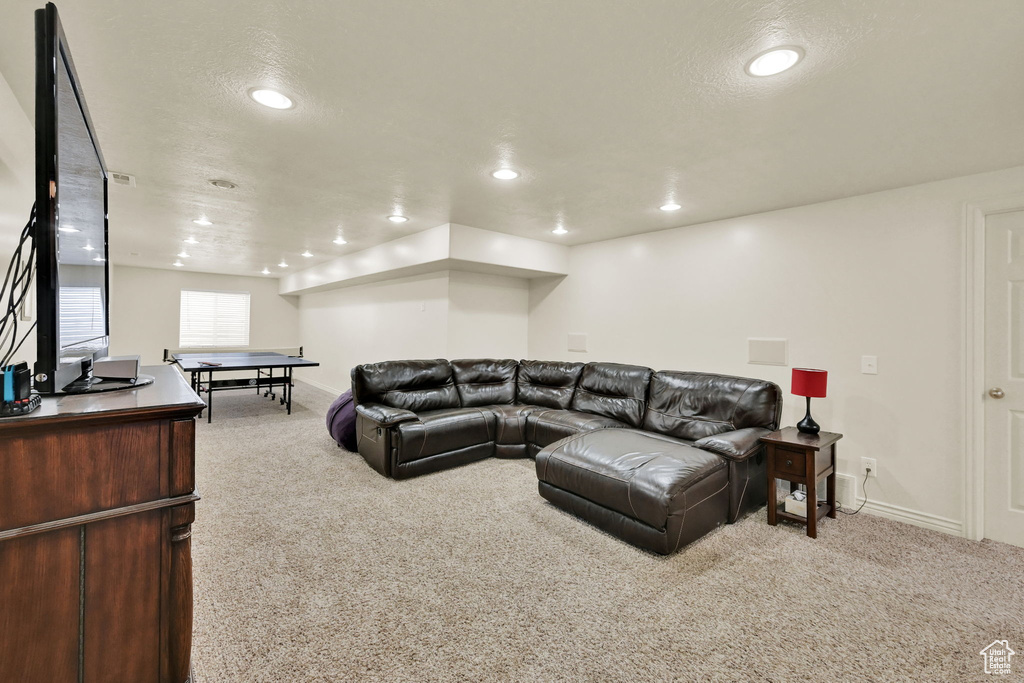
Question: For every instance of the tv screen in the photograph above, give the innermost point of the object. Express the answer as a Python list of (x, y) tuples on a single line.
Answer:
[(71, 219)]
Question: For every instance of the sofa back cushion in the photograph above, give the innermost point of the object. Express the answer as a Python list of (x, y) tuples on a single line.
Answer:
[(692, 405), (485, 381), (547, 383), (415, 385), (613, 390)]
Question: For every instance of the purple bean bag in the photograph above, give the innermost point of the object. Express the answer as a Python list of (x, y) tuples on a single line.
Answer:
[(341, 421)]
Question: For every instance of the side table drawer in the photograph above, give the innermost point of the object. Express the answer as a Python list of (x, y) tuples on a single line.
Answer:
[(790, 462)]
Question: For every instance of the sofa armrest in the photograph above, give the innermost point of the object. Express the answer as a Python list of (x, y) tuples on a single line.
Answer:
[(385, 416), (739, 444)]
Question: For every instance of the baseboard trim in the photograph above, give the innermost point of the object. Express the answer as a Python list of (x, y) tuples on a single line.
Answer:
[(915, 517), (323, 387)]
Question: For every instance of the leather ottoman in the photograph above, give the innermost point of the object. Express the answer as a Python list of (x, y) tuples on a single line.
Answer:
[(652, 491)]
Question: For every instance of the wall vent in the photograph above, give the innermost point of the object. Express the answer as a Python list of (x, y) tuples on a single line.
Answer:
[(767, 351), (125, 179), (577, 342), (846, 491)]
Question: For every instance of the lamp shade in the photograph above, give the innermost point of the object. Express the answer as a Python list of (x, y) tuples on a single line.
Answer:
[(809, 382)]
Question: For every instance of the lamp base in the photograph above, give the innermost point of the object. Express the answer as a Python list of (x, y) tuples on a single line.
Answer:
[(808, 425)]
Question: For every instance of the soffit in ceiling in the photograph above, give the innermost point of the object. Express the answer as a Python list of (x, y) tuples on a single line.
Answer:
[(607, 108)]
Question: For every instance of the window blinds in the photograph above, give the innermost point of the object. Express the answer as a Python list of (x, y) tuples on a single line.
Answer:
[(81, 315), (213, 319)]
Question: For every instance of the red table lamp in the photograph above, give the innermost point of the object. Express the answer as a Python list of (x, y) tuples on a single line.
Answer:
[(809, 383)]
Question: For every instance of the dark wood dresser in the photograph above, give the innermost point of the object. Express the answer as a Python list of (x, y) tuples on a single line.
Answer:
[(97, 499)]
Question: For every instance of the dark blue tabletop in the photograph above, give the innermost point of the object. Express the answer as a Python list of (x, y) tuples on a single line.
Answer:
[(238, 360)]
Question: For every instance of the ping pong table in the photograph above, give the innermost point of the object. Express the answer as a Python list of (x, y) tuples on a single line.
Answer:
[(263, 362)]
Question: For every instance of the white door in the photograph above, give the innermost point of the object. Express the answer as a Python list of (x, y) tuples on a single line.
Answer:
[(1004, 372)]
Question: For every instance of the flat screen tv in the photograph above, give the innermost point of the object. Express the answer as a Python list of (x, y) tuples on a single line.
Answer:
[(73, 279)]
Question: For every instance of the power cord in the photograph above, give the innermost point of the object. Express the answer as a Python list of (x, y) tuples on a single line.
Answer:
[(16, 286)]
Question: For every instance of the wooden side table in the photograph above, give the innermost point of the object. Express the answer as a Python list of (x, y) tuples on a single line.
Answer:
[(802, 459)]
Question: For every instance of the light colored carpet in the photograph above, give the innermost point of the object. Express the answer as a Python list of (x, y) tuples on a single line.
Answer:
[(309, 566)]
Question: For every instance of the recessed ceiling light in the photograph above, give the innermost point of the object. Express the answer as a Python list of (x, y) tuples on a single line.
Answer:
[(774, 61), (307, 254), (100, 259), (265, 271), (340, 240), (191, 240), (397, 219), (671, 206), (271, 98), (178, 264), (505, 174), (68, 228), (282, 264), (88, 247), (223, 184), (183, 254), (202, 221), (560, 230)]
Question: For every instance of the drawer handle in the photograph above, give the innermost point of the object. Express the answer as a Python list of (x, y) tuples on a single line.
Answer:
[(789, 463)]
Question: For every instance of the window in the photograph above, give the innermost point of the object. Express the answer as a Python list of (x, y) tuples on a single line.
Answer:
[(213, 319), (81, 315)]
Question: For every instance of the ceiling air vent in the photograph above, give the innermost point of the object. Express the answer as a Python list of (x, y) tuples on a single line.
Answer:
[(122, 179)]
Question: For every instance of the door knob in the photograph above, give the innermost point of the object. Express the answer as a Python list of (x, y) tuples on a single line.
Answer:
[(996, 392)]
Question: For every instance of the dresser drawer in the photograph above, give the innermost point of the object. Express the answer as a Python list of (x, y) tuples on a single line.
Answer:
[(51, 474), (790, 462)]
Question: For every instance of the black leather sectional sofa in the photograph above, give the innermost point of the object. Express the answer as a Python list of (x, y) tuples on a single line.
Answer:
[(657, 458)]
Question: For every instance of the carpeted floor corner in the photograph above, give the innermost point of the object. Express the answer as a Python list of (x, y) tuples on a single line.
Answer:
[(309, 566)]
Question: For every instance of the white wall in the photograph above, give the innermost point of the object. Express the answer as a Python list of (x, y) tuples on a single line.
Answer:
[(487, 316), (341, 328), (145, 305), (440, 315), (878, 274), (17, 170)]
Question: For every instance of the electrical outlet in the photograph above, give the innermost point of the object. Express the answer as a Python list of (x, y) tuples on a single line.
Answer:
[(869, 365), (866, 464)]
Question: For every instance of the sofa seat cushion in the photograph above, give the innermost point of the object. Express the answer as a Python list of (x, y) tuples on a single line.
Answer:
[(510, 422), (443, 431), (634, 473), (544, 427)]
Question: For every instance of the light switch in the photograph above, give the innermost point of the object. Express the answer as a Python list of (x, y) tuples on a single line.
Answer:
[(577, 342), (869, 365)]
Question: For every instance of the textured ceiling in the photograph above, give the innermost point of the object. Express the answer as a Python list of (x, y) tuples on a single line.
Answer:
[(608, 108)]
